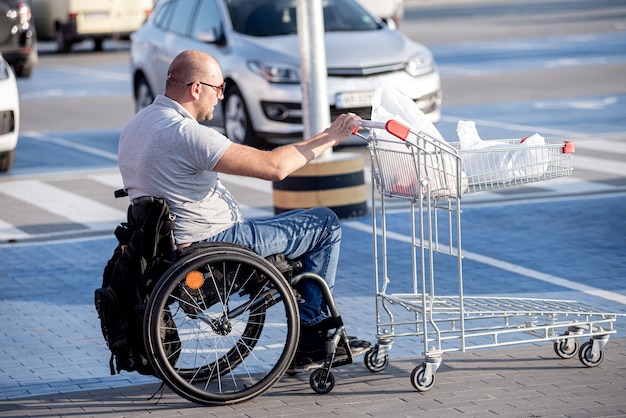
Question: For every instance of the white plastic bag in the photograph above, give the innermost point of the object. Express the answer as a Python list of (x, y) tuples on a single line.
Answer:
[(390, 103), (500, 161), (437, 167)]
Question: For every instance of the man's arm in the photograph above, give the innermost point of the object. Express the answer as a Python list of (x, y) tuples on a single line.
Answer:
[(278, 163)]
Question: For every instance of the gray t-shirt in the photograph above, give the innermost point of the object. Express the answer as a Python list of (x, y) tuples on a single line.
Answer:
[(164, 152)]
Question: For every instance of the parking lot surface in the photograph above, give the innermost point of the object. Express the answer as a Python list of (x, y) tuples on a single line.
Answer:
[(55, 363)]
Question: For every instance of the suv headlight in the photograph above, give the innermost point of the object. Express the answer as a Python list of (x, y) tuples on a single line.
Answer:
[(276, 72), (420, 64)]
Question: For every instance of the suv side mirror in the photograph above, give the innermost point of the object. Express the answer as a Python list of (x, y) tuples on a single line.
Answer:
[(390, 23), (210, 36)]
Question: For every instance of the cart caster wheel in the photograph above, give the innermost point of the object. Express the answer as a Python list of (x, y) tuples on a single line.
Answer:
[(318, 385), (417, 379), (566, 348), (586, 357), (375, 364)]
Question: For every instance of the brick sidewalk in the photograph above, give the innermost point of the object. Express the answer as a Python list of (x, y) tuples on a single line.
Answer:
[(529, 381)]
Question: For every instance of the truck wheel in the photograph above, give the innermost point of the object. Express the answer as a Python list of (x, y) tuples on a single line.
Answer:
[(63, 44)]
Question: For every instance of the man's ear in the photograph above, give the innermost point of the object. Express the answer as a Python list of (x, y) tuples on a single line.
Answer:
[(194, 90)]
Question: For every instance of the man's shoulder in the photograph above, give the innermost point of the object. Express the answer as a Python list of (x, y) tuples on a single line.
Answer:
[(163, 100), (199, 130)]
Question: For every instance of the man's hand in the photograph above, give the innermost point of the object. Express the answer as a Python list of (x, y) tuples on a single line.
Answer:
[(343, 127)]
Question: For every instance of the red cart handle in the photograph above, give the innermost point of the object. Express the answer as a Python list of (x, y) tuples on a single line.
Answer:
[(568, 147), (392, 126)]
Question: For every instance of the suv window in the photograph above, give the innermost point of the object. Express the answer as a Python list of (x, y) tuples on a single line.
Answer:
[(207, 21), (263, 18), (181, 16), (162, 14), (4, 70), (278, 17)]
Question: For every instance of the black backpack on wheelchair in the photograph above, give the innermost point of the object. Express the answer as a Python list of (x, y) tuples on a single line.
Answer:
[(144, 252)]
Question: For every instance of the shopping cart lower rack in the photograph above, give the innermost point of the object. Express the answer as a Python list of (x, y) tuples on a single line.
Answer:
[(431, 176)]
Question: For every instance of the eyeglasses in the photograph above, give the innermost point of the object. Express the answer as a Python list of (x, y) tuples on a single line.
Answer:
[(218, 89)]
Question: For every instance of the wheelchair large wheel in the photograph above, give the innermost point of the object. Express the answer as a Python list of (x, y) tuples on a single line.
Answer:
[(236, 325)]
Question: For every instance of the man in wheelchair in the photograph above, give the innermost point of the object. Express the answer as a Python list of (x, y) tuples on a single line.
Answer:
[(165, 151)]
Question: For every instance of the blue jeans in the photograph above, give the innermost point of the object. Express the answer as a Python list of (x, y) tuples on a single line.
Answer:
[(313, 235)]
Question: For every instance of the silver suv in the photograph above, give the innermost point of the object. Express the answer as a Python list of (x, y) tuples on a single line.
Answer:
[(256, 44)]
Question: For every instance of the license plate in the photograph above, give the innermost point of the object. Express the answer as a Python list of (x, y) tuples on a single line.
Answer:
[(96, 15), (353, 99)]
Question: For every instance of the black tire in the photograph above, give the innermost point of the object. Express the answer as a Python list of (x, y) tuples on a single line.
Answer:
[(318, 384), (24, 72), (237, 124), (25, 69), (63, 43), (98, 44), (238, 331), (7, 159), (143, 93)]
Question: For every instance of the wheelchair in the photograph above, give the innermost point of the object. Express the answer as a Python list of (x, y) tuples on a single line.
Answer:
[(221, 324)]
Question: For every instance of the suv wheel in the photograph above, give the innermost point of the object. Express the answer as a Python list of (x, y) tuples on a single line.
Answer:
[(26, 67), (25, 71), (237, 124), (143, 94)]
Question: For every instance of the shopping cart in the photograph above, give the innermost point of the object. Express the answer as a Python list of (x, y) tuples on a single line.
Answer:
[(432, 175)]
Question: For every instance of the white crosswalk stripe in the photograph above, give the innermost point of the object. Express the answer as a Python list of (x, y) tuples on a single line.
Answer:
[(8, 232), (601, 165), (114, 180), (91, 215), (599, 144), (74, 207)]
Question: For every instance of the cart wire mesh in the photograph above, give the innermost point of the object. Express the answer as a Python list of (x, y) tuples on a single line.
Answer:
[(407, 169)]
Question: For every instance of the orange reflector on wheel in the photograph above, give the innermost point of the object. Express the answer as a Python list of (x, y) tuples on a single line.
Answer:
[(194, 279)]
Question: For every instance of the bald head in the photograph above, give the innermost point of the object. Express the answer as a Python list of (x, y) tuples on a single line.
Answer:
[(190, 66)]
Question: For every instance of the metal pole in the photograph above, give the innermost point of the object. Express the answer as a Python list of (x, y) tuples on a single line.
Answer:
[(333, 180), (315, 105)]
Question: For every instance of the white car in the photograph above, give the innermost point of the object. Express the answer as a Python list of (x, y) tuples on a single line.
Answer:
[(9, 116), (256, 44)]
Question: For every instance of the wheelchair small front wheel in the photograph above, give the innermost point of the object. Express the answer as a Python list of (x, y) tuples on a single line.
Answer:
[(234, 321), (322, 381)]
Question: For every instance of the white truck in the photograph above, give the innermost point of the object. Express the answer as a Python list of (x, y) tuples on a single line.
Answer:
[(72, 21)]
